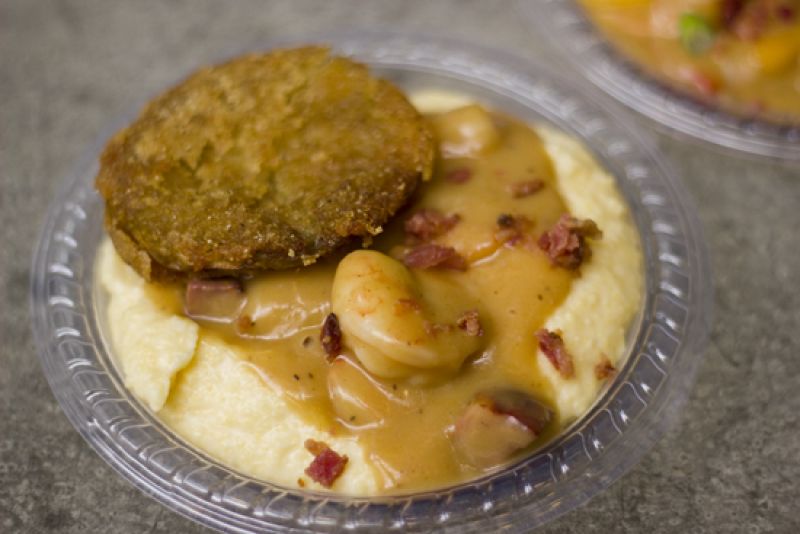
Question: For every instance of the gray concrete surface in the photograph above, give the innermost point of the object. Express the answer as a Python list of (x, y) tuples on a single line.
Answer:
[(67, 68)]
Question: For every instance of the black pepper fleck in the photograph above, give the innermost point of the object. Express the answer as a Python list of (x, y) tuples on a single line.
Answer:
[(504, 220)]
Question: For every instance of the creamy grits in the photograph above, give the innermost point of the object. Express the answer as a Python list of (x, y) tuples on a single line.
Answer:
[(418, 344)]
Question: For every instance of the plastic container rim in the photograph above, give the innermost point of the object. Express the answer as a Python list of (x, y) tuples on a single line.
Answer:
[(558, 478), (576, 39)]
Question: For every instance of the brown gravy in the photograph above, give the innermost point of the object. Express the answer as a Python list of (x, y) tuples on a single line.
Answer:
[(403, 426)]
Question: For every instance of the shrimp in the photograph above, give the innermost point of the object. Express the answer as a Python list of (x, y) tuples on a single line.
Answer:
[(399, 324)]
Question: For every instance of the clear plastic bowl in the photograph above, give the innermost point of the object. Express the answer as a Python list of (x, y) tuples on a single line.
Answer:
[(643, 401), (581, 44)]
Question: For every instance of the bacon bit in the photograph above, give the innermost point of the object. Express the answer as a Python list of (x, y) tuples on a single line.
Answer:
[(331, 336), (428, 223), (525, 189), (565, 243), (405, 305), (327, 465), (458, 176), (511, 229), (470, 323), (428, 255), (604, 368), (552, 345)]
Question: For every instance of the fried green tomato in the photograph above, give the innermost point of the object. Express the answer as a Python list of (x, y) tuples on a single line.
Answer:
[(265, 162)]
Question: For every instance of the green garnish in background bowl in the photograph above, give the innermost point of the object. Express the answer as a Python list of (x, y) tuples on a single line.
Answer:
[(696, 33)]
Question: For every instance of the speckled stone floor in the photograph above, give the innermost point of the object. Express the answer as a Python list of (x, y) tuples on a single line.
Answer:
[(67, 68)]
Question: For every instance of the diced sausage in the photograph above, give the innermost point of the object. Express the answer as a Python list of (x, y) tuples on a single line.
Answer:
[(523, 407), (214, 300), (496, 424)]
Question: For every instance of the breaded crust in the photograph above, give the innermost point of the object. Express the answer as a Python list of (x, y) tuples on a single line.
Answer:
[(265, 162)]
